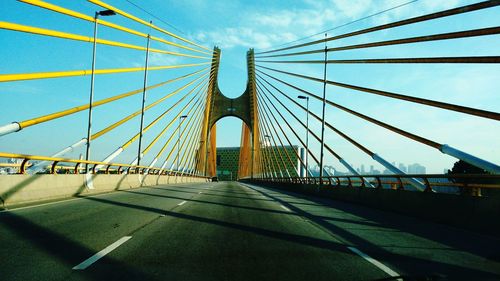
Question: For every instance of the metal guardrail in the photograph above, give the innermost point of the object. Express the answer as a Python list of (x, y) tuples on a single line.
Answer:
[(97, 167), (474, 182)]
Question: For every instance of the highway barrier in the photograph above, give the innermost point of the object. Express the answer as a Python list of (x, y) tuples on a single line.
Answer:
[(476, 213)]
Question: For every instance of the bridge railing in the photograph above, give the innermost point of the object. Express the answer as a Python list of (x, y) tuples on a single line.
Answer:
[(77, 166), (442, 183)]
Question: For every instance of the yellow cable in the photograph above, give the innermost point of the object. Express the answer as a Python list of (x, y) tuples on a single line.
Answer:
[(56, 115), (78, 15), (58, 74), (71, 36), (136, 19)]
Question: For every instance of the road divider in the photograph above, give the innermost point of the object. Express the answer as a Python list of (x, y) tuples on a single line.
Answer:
[(18, 190)]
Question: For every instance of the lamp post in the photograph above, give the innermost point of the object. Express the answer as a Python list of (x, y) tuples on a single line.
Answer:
[(323, 118), (268, 137), (139, 153), (91, 96), (198, 158), (179, 140), (307, 129)]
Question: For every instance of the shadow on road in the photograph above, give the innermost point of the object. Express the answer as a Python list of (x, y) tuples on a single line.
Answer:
[(440, 234), (64, 250)]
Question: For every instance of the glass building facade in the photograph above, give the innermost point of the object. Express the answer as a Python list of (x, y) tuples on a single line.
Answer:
[(228, 160)]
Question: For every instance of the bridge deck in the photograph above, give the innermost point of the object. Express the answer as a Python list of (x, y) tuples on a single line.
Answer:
[(230, 231)]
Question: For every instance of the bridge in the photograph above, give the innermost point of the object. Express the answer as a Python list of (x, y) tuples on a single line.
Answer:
[(135, 195)]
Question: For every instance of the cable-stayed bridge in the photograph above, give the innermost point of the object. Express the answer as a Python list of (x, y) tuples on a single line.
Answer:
[(136, 196)]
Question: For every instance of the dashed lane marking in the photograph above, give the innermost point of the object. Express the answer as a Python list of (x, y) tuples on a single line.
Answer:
[(376, 263), (285, 208), (88, 262)]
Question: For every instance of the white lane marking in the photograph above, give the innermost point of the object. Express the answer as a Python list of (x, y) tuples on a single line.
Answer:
[(200, 192), (88, 262), (182, 203), (257, 189), (285, 208), (376, 263)]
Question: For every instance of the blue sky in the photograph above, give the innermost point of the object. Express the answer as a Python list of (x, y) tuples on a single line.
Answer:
[(235, 26)]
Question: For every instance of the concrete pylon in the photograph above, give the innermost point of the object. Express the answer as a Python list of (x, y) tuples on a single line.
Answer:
[(243, 107)]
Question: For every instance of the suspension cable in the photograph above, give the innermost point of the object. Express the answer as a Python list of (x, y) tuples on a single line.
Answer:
[(470, 59), (300, 122), (71, 73), (270, 152), (188, 163), (441, 14), (358, 145), (136, 19), (446, 149), (176, 142), (158, 155), (155, 140), (288, 124), (136, 113), (78, 15), (190, 136), (265, 159), (275, 148), (448, 106), (17, 126), (367, 118), (165, 128), (121, 148), (289, 143), (418, 39), (181, 146), (76, 37)]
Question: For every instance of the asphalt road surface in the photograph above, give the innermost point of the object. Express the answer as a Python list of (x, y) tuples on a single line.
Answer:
[(232, 231)]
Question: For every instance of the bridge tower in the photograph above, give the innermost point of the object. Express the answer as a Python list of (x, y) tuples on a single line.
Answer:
[(243, 107)]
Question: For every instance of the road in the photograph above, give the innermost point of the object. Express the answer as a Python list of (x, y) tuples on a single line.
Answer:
[(232, 231)]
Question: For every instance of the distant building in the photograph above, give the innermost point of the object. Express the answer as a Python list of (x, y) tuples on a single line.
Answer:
[(272, 154), (416, 169), (402, 167), (227, 161)]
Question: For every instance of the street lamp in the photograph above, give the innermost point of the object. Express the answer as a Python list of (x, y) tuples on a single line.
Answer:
[(198, 158), (139, 153), (307, 130), (268, 137), (91, 98), (179, 140)]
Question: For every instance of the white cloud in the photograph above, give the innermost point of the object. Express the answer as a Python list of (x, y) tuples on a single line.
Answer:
[(271, 27), (354, 9), (156, 59), (263, 29)]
